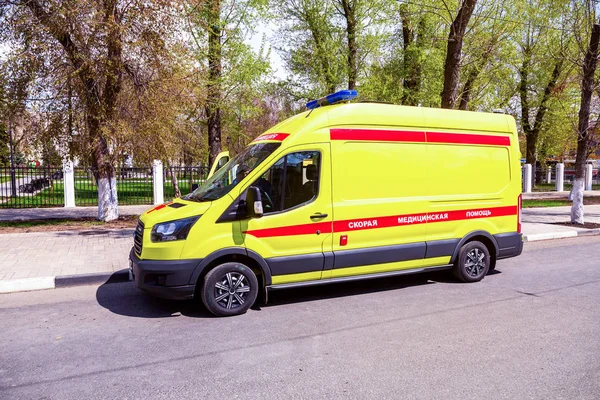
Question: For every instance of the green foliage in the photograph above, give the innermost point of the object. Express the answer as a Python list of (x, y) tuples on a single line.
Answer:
[(243, 73), (311, 45), (160, 110)]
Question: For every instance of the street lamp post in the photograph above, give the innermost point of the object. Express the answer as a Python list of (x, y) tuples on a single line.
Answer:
[(13, 181)]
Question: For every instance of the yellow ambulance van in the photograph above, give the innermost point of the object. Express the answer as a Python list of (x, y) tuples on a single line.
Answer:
[(342, 191)]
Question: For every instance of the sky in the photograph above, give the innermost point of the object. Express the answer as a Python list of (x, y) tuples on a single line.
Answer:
[(255, 41), (3, 51)]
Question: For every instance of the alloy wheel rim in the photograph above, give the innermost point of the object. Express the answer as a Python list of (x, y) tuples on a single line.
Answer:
[(231, 291), (475, 263)]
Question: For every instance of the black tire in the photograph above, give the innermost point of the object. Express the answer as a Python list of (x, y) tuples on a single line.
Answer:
[(472, 263), (223, 295)]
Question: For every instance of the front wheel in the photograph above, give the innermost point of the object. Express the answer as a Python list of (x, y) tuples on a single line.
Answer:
[(472, 263), (229, 289)]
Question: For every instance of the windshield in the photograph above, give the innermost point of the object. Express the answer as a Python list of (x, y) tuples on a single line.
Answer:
[(233, 172)]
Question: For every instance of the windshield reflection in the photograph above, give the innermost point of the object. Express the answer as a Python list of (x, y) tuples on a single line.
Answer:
[(233, 172)]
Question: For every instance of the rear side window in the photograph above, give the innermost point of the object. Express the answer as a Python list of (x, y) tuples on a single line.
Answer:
[(293, 180)]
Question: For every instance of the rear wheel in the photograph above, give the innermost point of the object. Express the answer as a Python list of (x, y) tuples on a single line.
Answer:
[(229, 289), (473, 262)]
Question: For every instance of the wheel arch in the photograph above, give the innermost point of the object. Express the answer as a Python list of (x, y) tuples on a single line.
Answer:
[(484, 237), (234, 254)]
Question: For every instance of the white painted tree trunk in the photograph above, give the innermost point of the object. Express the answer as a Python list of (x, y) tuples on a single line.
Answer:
[(577, 208), (108, 206)]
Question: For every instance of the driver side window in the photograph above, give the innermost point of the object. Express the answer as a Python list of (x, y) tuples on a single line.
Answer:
[(293, 180)]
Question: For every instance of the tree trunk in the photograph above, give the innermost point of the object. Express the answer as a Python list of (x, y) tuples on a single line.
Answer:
[(174, 181), (466, 94), (541, 113), (532, 132), (587, 87), (351, 25), (213, 101), (411, 63), (108, 205), (530, 137), (99, 110), (453, 53)]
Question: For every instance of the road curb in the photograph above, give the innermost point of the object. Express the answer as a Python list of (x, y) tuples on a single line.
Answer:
[(53, 282), (90, 279), (589, 232), (560, 235), (26, 284)]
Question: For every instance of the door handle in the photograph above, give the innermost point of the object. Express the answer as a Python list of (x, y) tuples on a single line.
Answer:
[(318, 216)]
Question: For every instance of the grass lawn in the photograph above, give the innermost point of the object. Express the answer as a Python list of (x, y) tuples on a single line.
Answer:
[(51, 225), (6, 178), (50, 197), (46, 222), (545, 203), (550, 187), (133, 191), (128, 192), (184, 188), (591, 200), (86, 194)]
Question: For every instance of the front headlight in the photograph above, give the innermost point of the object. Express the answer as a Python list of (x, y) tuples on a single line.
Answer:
[(173, 230)]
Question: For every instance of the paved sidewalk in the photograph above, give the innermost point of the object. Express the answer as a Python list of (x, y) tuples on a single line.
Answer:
[(43, 254), (42, 260), (538, 222), (25, 214)]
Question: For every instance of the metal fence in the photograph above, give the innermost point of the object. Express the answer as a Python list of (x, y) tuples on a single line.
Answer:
[(27, 187), (188, 178), (542, 174), (134, 186), (44, 186)]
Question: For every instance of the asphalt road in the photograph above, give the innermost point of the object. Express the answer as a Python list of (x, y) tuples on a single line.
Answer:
[(529, 331)]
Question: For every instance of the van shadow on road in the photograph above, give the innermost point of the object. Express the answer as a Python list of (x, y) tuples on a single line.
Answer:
[(125, 299), (357, 288)]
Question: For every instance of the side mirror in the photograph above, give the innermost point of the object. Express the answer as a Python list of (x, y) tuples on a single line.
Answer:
[(254, 206)]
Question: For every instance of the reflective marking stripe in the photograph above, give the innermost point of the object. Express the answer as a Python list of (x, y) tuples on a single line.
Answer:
[(279, 137), (463, 138), (384, 222), (379, 135), (306, 229), (159, 207), (383, 135)]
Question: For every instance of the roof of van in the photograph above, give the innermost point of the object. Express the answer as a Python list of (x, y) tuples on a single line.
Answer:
[(388, 116)]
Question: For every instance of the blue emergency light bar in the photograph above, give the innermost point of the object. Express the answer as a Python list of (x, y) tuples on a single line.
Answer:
[(334, 98)]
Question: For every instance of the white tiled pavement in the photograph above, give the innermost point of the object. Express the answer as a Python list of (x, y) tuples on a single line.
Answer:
[(41, 254)]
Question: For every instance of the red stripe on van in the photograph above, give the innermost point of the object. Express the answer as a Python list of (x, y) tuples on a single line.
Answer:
[(462, 138), (383, 135), (305, 229), (413, 219), (279, 137), (385, 222), (380, 135)]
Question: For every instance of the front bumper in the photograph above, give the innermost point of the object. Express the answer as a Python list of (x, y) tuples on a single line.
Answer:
[(169, 279)]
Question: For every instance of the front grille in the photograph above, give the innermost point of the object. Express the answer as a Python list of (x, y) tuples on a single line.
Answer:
[(138, 238)]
